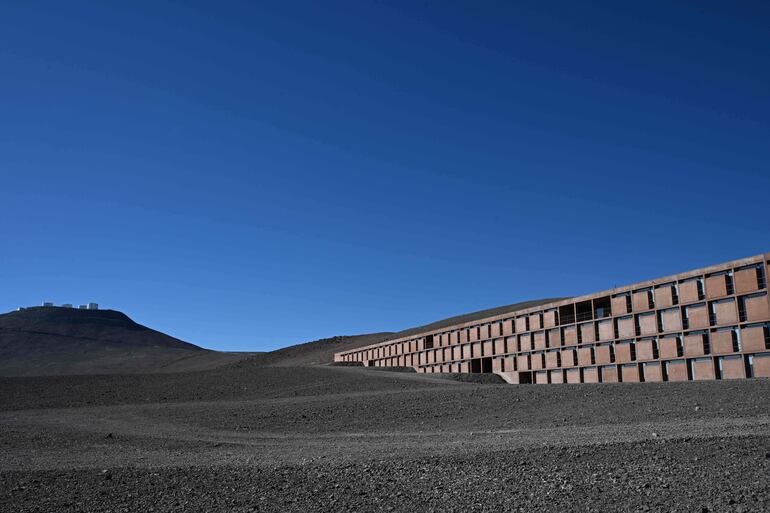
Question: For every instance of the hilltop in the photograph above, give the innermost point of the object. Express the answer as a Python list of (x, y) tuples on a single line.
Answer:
[(54, 340)]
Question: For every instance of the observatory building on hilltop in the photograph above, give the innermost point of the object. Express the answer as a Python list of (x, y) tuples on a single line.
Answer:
[(89, 306), (710, 323)]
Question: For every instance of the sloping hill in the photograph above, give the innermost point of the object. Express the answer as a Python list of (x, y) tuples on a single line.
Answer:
[(474, 316), (56, 341), (317, 352), (322, 351), (51, 341)]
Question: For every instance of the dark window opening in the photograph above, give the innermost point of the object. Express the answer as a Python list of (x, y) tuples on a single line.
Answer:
[(584, 311), (481, 365), (701, 292), (602, 307)]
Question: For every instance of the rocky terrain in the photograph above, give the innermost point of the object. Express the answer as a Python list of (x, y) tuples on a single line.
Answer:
[(281, 431), (247, 437)]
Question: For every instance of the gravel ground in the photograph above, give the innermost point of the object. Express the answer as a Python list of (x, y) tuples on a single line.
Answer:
[(247, 438), (721, 474)]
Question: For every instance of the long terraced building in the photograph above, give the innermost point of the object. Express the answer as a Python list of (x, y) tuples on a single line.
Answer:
[(710, 323)]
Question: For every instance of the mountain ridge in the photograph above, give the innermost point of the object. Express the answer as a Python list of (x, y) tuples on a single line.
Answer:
[(64, 341)]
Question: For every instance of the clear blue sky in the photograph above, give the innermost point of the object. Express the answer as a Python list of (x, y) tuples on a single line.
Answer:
[(248, 176)]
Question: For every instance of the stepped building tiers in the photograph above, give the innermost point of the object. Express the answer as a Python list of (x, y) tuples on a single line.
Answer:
[(710, 323)]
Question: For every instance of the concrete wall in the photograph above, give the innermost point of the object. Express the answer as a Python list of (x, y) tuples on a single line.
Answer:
[(710, 323)]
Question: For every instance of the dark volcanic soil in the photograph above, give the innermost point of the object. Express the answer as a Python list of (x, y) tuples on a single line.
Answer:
[(251, 438)]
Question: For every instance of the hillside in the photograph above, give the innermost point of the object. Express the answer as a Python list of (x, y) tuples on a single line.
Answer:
[(474, 316), (317, 352), (51, 341), (55, 341), (322, 351)]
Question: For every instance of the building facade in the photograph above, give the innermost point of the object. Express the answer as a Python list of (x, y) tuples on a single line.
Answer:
[(710, 323)]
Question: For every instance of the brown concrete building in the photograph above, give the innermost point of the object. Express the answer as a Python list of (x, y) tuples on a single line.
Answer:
[(711, 323)]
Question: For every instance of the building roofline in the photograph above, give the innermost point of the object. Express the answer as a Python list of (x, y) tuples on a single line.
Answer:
[(762, 257)]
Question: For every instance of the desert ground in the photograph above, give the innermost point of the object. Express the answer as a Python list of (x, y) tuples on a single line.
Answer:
[(251, 437)]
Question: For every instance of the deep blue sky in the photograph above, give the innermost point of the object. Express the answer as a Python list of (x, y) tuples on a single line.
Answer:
[(249, 176)]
